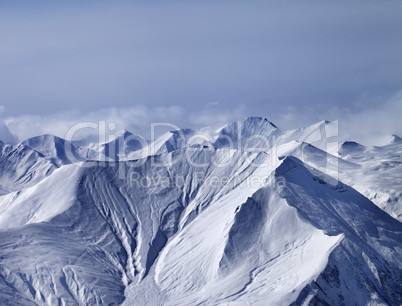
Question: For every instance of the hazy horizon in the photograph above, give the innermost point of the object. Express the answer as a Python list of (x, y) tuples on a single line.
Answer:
[(201, 63)]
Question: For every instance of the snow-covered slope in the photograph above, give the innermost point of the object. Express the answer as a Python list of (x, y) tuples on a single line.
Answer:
[(122, 146), (56, 149), (116, 224), (379, 175), (366, 265), (22, 166), (322, 135), (250, 133), (373, 171), (168, 142), (264, 221), (41, 202), (276, 247)]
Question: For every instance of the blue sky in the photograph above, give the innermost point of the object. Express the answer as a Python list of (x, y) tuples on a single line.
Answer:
[(195, 63)]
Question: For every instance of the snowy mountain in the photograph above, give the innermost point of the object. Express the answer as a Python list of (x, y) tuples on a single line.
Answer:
[(379, 175), (123, 144), (22, 166), (253, 132), (247, 214), (56, 149)]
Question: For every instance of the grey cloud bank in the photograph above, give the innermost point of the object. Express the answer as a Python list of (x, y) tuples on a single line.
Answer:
[(201, 62)]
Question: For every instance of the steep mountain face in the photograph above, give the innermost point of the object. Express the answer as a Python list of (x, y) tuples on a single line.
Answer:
[(117, 220), (372, 240), (22, 166), (253, 132), (203, 222), (54, 148), (27, 163), (123, 145)]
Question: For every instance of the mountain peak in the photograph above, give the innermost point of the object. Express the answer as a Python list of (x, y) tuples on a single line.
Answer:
[(258, 121), (396, 139), (295, 170), (288, 163), (182, 131), (41, 141), (124, 133), (350, 146), (252, 132)]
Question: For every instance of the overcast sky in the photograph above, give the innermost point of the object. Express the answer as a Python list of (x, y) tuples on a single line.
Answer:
[(194, 63)]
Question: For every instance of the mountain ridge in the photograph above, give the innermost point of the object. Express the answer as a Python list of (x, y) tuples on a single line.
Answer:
[(277, 222)]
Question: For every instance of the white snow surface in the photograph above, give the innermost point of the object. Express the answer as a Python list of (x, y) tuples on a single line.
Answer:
[(41, 202), (245, 215)]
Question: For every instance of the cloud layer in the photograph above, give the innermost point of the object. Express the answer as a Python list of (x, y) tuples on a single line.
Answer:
[(371, 125), (198, 62)]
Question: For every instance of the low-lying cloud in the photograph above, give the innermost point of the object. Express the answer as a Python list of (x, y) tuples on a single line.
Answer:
[(371, 126)]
